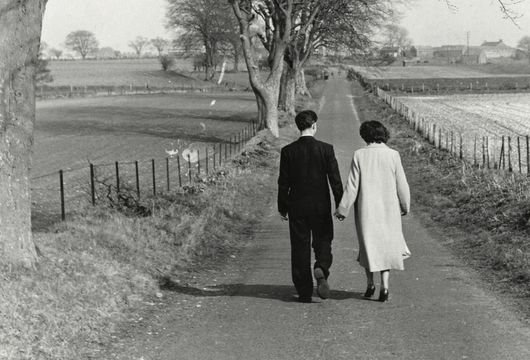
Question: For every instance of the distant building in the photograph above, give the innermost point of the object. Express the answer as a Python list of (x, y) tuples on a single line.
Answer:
[(390, 51), (474, 55), (453, 53), (425, 52), (498, 49)]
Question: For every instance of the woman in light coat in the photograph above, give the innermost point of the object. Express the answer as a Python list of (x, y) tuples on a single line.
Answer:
[(378, 189)]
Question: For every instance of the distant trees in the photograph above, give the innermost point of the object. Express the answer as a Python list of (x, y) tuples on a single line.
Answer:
[(42, 72), (524, 44), (208, 22), (138, 45), (56, 53), (160, 45), (82, 41), (396, 36)]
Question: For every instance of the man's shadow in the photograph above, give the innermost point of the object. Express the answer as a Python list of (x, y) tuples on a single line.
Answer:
[(275, 292)]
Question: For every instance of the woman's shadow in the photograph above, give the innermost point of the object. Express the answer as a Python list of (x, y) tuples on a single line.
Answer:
[(262, 291)]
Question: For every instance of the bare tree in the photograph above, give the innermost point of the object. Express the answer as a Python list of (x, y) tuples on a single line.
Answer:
[(82, 41), (276, 15), (524, 43), (396, 36), (138, 45), (160, 45), (208, 22), (336, 25), (20, 29), (56, 53)]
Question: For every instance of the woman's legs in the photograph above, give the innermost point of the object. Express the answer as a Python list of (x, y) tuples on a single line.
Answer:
[(385, 276), (369, 277)]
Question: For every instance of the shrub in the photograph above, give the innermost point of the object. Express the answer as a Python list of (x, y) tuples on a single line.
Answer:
[(166, 61)]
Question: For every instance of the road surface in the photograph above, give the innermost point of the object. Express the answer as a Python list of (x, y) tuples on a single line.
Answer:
[(437, 309)]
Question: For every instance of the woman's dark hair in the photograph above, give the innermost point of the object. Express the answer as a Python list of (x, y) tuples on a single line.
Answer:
[(374, 132), (305, 119)]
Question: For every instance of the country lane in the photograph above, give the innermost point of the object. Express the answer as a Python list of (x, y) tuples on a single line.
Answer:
[(437, 309)]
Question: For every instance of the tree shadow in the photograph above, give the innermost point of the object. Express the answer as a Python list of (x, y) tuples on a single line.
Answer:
[(261, 291)]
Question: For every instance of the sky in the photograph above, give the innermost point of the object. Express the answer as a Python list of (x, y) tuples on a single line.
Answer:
[(430, 22)]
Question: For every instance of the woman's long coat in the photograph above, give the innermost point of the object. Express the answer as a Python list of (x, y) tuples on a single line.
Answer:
[(378, 189)]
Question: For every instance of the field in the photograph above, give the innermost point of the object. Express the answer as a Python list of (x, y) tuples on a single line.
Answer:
[(447, 79), (485, 117), (71, 133)]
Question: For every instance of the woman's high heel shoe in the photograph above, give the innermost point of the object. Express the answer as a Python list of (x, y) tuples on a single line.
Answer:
[(369, 291), (383, 295)]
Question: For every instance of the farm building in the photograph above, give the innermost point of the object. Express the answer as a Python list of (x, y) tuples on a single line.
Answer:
[(450, 52), (390, 51), (425, 52), (475, 55), (498, 49)]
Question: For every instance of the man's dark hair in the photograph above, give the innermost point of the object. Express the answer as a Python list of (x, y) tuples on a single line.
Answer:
[(374, 132), (305, 119)]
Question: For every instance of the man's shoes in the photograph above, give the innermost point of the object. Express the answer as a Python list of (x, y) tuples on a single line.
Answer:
[(305, 299), (322, 284)]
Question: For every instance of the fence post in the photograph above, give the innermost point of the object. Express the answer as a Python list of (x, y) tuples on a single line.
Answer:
[(189, 168), (519, 154), (92, 184), (461, 155), (61, 181), (501, 157), (167, 173), (483, 153), (117, 179), (137, 173), (453, 147), (527, 155), (198, 162), (226, 150), (154, 176), (179, 170), (510, 169), (206, 159), (220, 154), (475, 151), (488, 151)]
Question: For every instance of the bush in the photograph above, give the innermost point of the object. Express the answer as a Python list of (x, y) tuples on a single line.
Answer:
[(166, 61)]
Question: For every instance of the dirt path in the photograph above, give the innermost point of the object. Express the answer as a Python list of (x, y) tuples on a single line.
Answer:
[(437, 310)]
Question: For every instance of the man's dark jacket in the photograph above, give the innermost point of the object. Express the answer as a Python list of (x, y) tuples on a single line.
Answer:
[(306, 166)]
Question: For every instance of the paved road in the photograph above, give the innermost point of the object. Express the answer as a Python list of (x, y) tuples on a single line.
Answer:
[(437, 310)]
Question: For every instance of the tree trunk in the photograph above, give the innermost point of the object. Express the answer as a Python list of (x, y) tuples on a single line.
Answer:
[(287, 98), (301, 84), (236, 57), (20, 29)]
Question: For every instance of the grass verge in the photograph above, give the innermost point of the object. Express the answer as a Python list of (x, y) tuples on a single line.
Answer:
[(95, 268), (483, 216)]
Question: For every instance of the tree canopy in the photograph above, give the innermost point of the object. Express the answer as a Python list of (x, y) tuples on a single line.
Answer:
[(82, 41)]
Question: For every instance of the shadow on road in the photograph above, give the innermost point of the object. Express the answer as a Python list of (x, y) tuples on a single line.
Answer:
[(275, 292)]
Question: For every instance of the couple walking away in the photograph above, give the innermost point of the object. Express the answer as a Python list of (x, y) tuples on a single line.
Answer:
[(376, 186)]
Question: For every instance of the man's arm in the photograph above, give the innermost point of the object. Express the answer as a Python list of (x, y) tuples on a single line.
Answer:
[(334, 179), (283, 185)]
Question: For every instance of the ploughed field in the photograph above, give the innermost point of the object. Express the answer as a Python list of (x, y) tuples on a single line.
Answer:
[(417, 79), (487, 117), (71, 133)]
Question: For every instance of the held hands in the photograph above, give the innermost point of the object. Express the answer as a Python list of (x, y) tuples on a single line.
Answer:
[(339, 216)]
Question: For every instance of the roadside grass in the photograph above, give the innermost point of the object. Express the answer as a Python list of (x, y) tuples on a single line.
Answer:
[(97, 267), (483, 216)]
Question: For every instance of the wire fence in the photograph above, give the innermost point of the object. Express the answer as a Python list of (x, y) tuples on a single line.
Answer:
[(73, 91), (500, 152), (60, 193)]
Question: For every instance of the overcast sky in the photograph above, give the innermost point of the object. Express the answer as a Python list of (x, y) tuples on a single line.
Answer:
[(430, 22)]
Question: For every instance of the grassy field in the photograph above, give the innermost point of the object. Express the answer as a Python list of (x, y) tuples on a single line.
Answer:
[(71, 133)]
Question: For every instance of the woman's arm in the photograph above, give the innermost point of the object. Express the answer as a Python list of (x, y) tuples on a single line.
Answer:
[(351, 189)]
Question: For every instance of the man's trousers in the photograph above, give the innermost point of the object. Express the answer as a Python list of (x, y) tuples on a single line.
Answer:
[(307, 232)]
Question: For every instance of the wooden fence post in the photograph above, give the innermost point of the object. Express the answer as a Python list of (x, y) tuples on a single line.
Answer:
[(198, 162), (137, 178), (461, 155), (179, 171), (527, 155), (92, 184), (519, 154), (189, 168), (154, 176), (475, 151), (61, 181), (510, 169), (117, 179), (167, 173)]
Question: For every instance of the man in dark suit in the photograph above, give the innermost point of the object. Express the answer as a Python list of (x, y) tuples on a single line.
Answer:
[(308, 168)]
